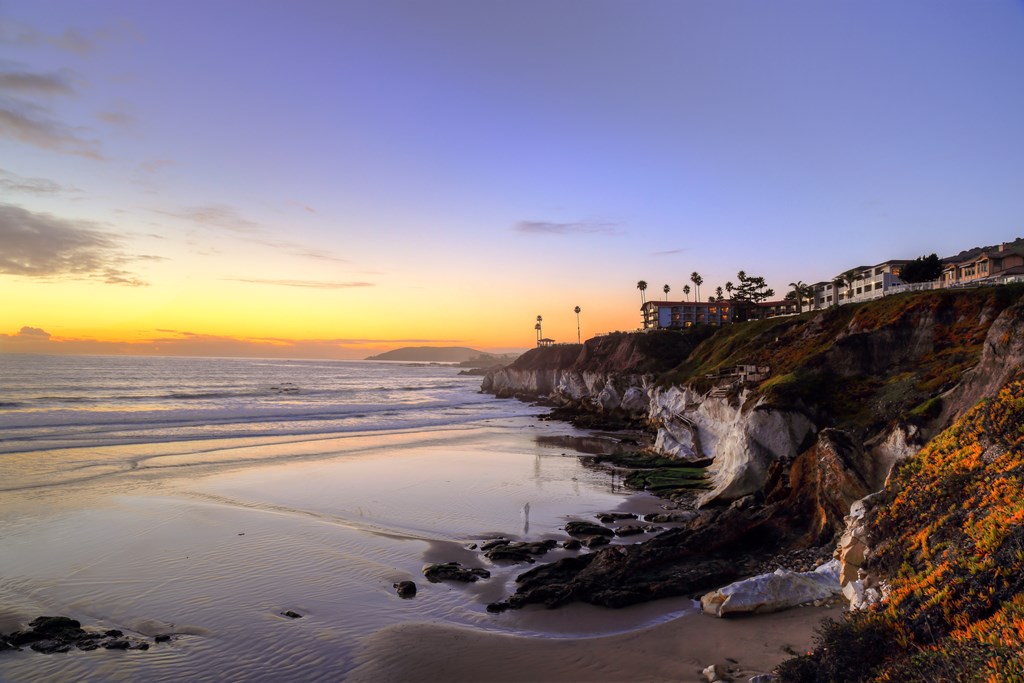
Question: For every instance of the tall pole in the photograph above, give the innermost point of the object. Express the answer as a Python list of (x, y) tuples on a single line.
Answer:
[(577, 309)]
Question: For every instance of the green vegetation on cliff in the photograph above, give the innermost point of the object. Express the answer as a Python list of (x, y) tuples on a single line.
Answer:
[(948, 536), (858, 366)]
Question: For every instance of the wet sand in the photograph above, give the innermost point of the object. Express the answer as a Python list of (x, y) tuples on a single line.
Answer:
[(674, 651), (212, 541)]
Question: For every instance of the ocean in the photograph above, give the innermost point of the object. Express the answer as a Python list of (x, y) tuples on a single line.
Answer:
[(204, 497)]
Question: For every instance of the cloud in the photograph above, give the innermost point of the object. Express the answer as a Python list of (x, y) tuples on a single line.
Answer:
[(669, 252), (71, 40), (310, 284), (305, 207), (579, 228), (28, 83), (27, 124), (41, 186), (25, 118), (217, 215), (299, 250), (42, 245), (228, 218), (116, 118), (34, 332), (155, 165)]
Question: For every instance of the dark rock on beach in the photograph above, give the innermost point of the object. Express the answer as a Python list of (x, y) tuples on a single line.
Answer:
[(493, 543), (50, 635), (405, 589), (579, 528), (291, 615), (453, 571), (49, 647), (518, 551), (607, 517)]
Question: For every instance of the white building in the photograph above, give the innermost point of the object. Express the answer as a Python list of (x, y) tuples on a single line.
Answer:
[(869, 282)]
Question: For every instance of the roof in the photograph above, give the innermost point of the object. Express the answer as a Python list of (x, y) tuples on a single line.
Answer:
[(685, 303)]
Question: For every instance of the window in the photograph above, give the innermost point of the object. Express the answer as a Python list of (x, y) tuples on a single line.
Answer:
[(878, 285), (859, 289)]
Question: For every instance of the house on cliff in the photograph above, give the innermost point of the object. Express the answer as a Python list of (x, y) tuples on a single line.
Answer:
[(869, 282), (673, 315), (990, 264), (665, 315)]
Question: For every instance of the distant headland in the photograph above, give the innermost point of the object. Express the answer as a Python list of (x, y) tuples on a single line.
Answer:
[(430, 354)]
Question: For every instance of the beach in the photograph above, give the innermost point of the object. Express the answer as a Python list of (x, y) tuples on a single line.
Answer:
[(160, 531)]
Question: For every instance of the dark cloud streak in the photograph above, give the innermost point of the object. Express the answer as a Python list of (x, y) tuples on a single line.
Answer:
[(576, 228), (39, 186), (17, 123), (28, 83), (44, 246)]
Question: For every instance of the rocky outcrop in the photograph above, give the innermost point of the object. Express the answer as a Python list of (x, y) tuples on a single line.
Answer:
[(612, 374), (49, 635), (852, 392), (779, 590), (453, 571), (1001, 356), (744, 441)]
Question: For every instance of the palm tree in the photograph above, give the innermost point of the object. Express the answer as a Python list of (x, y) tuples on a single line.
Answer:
[(697, 280), (686, 291), (718, 294), (799, 289), (666, 289), (577, 311), (642, 286), (809, 295), (728, 288), (848, 278)]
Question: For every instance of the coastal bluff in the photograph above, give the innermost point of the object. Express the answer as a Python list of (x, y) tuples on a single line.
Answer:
[(803, 419), (882, 377)]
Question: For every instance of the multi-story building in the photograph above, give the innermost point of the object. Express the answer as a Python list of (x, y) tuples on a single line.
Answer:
[(661, 315), (667, 315), (1005, 260), (869, 282)]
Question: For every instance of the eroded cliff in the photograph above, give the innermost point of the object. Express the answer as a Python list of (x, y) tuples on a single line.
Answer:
[(848, 393)]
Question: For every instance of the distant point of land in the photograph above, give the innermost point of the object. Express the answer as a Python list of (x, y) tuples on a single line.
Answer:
[(430, 354)]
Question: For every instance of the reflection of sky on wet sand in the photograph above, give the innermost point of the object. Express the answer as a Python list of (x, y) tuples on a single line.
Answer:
[(215, 551)]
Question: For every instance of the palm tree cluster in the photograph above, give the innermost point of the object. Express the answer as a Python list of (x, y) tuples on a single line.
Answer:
[(801, 291)]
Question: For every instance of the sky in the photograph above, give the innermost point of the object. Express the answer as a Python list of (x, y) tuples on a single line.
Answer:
[(333, 178)]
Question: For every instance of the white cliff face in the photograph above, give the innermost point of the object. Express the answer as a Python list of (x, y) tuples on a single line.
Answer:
[(900, 443), (593, 390), (742, 441)]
